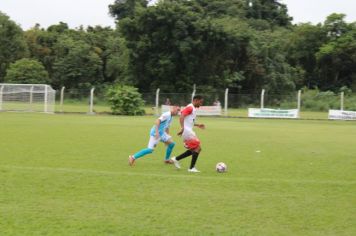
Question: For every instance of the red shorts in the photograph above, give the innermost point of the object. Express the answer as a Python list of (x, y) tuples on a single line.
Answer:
[(192, 144)]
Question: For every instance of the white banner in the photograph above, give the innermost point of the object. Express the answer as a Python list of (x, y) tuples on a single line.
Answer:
[(342, 115), (201, 111), (273, 113)]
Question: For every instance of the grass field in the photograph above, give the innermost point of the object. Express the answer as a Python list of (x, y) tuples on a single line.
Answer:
[(68, 175)]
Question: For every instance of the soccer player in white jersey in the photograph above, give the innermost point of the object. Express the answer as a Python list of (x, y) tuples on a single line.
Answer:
[(159, 132), (190, 139)]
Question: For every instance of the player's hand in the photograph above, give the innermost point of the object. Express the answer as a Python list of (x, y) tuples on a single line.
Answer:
[(201, 126), (157, 136), (180, 132)]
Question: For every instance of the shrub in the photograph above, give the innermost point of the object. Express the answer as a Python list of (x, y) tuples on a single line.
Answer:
[(314, 100), (125, 100), (27, 71)]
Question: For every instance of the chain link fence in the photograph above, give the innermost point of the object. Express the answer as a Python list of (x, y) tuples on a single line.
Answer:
[(313, 104)]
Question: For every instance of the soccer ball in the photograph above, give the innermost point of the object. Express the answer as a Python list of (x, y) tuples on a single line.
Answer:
[(221, 167)]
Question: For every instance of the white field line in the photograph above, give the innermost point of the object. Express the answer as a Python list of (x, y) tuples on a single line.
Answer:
[(184, 175)]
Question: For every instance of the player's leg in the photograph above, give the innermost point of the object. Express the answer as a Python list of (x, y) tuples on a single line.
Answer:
[(143, 152), (180, 157), (195, 155), (192, 145), (170, 145)]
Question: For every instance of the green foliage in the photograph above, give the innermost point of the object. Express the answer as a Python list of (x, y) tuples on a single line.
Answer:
[(40, 43), (223, 8), (125, 8), (305, 41), (245, 45), (110, 47), (173, 46), (271, 11), (335, 25), (76, 64), (320, 101), (117, 61), (12, 43), (27, 71), (125, 100), (79, 58), (337, 61)]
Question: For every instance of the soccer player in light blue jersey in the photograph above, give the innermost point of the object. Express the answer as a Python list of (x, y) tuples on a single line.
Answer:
[(159, 132)]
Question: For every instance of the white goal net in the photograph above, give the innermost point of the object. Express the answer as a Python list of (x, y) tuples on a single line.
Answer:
[(27, 97)]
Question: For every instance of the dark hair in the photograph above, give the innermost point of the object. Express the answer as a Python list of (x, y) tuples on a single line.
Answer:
[(198, 97)]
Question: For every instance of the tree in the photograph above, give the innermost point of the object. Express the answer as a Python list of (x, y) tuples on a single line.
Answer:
[(117, 61), (223, 8), (336, 57), (60, 28), (273, 11), (41, 46), (174, 45), (125, 8), (335, 25), (12, 43), (76, 64), (109, 45), (27, 71), (304, 43), (337, 62)]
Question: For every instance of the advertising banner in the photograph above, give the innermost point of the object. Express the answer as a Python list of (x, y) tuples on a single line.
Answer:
[(273, 113), (342, 115)]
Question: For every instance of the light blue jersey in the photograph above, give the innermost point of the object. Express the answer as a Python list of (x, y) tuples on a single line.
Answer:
[(166, 120), (165, 123)]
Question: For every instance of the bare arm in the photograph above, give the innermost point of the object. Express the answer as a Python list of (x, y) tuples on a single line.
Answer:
[(181, 122), (201, 126), (157, 123)]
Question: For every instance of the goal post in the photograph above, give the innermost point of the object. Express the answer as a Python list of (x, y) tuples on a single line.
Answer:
[(27, 97)]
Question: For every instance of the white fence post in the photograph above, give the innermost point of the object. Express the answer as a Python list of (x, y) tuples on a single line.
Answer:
[(46, 99), (61, 100), (342, 101), (194, 89), (226, 101), (299, 99), (31, 97), (1, 91), (262, 98), (157, 101), (91, 112)]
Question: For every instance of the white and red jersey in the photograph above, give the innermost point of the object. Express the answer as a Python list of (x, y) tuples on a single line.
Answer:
[(190, 114)]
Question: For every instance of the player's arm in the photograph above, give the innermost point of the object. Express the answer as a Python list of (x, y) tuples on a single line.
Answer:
[(157, 123), (181, 122), (201, 126)]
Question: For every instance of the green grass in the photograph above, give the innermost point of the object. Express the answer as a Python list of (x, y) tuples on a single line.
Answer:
[(68, 175)]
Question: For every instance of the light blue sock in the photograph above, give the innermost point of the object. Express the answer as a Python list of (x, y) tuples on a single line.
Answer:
[(143, 152), (169, 150)]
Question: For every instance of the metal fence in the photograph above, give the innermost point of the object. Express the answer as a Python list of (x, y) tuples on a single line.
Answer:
[(310, 104)]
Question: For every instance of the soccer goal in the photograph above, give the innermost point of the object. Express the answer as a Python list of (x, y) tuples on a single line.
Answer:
[(27, 97)]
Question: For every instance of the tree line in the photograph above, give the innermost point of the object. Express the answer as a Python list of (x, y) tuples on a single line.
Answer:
[(244, 45)]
